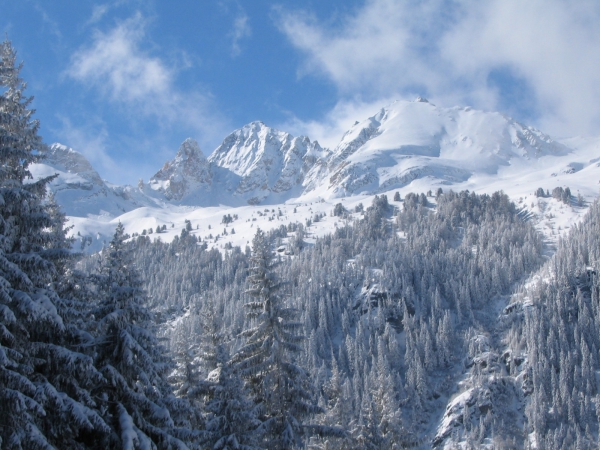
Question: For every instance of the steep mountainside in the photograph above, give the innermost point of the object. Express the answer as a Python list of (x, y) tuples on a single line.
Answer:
[(79, 189), (270, 164), (412, 140), (189, 172), (407, 146), (255, 164)]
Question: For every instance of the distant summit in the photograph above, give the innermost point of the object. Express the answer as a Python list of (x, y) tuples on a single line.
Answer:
[(80, 190), (188, 172), (402, 144), (270, 164)]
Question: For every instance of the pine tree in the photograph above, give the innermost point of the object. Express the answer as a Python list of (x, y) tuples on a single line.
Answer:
[(267, 361), (45, 376), (232, 418), (187, 378), (137, 398)]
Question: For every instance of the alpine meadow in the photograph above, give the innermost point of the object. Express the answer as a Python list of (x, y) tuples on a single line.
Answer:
[(429, 281)]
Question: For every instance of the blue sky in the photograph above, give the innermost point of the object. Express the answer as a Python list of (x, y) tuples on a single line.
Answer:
[(125, 82)]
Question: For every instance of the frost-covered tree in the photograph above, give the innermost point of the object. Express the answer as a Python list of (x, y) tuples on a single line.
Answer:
[(389, 320), (186, 378), (45, 374), (232, 418), (137, 398), (267, 360)]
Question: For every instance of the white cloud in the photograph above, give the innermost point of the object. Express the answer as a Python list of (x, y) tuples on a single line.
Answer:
[(554, 45), (144, 86), (115, 63), (241, 30), (447, 50), (372, 51), (98, 12)]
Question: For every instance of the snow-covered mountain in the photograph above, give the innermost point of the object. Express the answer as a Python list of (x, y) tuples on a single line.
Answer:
[(255, 164), (406, 146), (271, 165), (412, 140), (79, 189), (189, 173)]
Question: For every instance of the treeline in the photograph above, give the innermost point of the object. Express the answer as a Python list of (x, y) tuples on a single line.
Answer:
[(389, 306)]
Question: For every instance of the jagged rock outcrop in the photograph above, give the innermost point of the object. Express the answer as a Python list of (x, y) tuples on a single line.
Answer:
[(79, 189), (188, 172), (270, 163)]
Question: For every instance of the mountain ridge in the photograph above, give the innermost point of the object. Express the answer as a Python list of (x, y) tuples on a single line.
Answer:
[(406, 146), (401, 143)]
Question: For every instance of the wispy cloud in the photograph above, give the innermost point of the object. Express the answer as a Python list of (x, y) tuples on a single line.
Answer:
[(144, 86), (115, 63), (98, 12), (450, 50), (91, 142), (50, 24), (241, 30)]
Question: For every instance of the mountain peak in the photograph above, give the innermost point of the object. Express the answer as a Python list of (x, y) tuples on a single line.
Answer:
[(269, 163), (70, 161), (412, 140), (189, 170), (189, 149)]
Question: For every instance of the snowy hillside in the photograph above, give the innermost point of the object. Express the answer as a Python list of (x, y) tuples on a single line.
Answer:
[(412, 140), (405, 147), (79, 189)]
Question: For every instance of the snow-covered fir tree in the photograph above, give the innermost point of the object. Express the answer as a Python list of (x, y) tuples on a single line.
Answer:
[(137, 399), (267, 360), (45, 373), (231, 416), (186, 379)]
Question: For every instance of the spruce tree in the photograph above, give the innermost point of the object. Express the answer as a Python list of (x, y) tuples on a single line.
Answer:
[(232, 418), (45, 375), (137, 397), (267, 360)]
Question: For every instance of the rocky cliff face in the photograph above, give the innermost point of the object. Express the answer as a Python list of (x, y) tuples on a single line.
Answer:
[(269, 163), (189, 172), (80, 190), (403, 143), (67, 160)]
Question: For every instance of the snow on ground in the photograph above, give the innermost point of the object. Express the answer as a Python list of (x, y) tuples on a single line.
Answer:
[(551, 217), (407, 147), (207, 223)]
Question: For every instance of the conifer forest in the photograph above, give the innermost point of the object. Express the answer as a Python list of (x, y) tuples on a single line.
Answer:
[(434, 320)]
